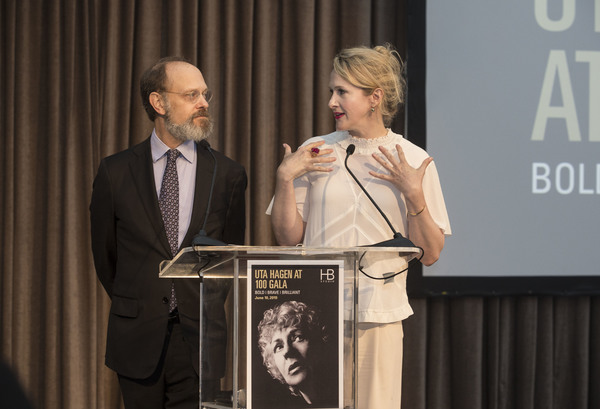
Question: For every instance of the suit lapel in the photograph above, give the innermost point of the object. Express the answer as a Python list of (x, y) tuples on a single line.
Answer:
[(204, 174), (143, 175)]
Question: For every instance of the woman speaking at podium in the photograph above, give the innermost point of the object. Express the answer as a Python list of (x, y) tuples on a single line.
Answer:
[(318, 202)]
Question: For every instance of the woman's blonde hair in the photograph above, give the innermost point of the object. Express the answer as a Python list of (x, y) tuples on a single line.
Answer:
[(372, 68)]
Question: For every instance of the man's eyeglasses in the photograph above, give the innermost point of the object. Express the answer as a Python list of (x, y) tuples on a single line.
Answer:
[(194, 96)]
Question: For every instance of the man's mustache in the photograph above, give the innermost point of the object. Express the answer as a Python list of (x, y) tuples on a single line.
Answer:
[(204, 114)]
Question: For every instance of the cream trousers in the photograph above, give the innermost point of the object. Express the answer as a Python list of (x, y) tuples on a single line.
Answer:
[(380, 365)]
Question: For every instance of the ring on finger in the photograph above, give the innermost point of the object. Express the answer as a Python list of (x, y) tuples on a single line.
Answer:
[(314, 152)]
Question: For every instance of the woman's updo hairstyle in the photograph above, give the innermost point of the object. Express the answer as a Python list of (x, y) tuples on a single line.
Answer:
[(372, 68)]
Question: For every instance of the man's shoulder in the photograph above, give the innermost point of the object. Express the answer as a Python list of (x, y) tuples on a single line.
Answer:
[(128, 154), (224, 160)]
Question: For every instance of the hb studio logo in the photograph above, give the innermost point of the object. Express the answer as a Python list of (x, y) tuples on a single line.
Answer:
[(327, 275)]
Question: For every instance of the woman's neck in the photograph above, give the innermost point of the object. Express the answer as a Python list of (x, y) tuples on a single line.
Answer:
[(375, 131)]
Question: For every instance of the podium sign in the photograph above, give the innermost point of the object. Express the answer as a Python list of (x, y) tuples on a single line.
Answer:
[(286, 305), (295, 334)]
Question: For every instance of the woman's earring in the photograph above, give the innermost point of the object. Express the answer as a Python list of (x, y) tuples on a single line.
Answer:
[(372, 109)]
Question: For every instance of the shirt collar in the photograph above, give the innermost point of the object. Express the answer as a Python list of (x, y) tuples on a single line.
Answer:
[(366, 146), (158, 148)]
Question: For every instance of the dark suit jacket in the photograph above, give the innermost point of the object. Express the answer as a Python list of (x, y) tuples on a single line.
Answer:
[(129, 242)]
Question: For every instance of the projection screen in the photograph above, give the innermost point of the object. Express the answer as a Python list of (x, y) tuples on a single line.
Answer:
[(508, 96)]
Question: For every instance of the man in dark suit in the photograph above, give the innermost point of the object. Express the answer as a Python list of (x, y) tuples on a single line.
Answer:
[(152, 340)]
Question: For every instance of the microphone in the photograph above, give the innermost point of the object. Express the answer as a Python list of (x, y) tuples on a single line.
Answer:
[(399, 240), (202, 239)]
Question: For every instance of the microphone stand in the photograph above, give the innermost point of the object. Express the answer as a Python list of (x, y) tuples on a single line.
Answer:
[(399, 240), (202, 239)]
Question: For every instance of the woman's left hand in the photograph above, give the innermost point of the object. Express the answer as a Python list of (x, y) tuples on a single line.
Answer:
[(407, 179), (422, 230)]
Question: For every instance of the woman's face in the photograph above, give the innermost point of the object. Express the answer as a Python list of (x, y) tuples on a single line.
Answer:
[(290, 349), (351, 107)]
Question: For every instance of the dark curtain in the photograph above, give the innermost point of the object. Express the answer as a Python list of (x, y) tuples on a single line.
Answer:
[(69, 73)]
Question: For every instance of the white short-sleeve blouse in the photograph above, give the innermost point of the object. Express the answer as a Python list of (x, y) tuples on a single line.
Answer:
[(338, 214)]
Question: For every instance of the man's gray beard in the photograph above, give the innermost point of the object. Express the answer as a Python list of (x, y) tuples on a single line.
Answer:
[(189, 131)]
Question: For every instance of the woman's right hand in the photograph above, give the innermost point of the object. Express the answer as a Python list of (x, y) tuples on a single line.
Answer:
[(304, 160)]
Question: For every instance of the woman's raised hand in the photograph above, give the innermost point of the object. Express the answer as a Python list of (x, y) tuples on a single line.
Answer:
[(407, 179), (307, 158)]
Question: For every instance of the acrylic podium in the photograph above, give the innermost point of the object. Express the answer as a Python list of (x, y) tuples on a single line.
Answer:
[(262, 280)]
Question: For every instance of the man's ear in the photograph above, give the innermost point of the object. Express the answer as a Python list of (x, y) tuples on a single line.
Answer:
[(156, 100)]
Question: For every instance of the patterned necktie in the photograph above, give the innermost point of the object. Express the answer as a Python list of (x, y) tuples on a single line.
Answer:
[(168, 201)]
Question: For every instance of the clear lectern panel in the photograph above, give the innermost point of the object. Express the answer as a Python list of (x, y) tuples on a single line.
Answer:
[(290, 315)]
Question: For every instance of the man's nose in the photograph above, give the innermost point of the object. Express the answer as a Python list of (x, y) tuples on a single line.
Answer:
[(202, 103)]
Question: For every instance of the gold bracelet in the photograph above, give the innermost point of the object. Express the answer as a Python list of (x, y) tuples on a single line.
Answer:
[(418, 213)]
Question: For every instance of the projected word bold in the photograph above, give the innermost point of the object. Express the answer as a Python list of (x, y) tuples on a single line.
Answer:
[(565, 179)]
